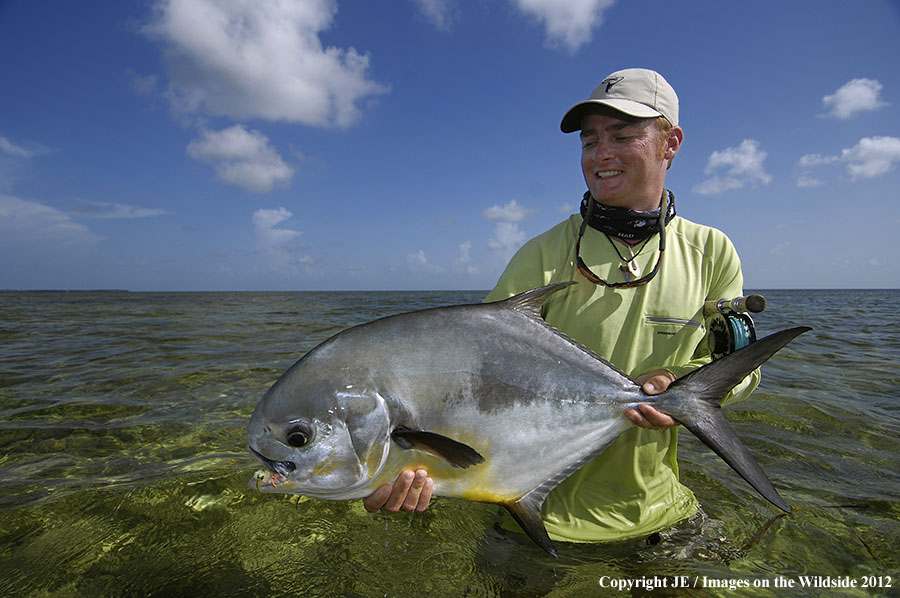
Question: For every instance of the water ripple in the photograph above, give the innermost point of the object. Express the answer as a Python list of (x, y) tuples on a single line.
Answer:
[(123, 466)]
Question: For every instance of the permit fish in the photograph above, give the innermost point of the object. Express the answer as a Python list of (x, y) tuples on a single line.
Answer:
[(496, 404)]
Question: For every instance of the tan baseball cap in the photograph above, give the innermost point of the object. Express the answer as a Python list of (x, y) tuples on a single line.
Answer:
[(637, 92)]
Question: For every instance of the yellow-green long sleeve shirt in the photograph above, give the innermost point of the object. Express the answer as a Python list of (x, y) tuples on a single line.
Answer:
[(632, 488)]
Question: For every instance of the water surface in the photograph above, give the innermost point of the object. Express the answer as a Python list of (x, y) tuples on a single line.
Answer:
[(123, 467)]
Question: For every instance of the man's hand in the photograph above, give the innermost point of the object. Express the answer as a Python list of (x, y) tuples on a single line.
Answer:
[(411, 492), (646, 416)]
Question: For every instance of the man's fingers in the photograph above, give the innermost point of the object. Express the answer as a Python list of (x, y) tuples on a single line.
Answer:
[(425, 497), (376, 500), (411, 491), (657, 382), (411, 502), (399, 492), (638, 419), (647, 417), (657, 419)]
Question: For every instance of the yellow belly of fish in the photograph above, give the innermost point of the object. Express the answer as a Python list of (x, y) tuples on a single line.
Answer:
[(488, 495), (475, 483)]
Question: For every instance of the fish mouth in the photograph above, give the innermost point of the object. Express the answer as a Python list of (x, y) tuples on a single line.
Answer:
[(264, 477), (278, 468)]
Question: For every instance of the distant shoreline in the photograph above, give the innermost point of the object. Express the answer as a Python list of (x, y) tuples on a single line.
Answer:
[(69, 291)]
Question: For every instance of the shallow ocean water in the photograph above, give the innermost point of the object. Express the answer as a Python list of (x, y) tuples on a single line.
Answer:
[(123, 468)]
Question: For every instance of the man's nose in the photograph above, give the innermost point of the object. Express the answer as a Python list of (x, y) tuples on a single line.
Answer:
[(601, 151)]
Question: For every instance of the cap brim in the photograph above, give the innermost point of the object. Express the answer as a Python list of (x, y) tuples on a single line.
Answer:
[(571, 122)]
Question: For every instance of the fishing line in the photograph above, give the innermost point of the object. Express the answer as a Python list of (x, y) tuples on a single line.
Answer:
[(741, 333)]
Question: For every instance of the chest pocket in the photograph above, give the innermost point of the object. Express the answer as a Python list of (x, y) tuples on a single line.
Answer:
[(675, 335)]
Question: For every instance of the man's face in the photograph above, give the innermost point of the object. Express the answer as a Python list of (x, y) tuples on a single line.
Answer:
[(622, 161)]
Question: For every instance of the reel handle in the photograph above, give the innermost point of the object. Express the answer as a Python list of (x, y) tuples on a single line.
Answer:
[(751, 303)]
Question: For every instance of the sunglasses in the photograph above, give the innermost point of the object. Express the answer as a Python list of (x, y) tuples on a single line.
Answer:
[(591, 277)]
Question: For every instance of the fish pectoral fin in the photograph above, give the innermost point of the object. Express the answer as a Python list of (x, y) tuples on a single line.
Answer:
[(527, 513), (454, 452)]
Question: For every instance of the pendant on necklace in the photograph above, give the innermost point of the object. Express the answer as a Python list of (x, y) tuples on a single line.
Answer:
[(630, 270)]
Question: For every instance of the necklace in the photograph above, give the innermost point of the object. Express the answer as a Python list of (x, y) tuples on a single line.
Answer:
[(630, 269)]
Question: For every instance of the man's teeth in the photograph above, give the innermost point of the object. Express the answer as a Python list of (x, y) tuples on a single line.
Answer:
[(608, 173)]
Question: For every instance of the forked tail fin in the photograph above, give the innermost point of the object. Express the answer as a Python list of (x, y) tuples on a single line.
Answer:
[(693, 400)]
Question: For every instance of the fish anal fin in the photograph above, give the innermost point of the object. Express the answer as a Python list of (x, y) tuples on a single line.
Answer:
[(527, 513), (454, 452)]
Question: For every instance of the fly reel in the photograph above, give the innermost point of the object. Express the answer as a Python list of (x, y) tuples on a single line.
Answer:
[(730, 325)]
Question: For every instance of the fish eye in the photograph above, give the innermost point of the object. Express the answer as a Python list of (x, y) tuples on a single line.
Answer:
[(299, 435)]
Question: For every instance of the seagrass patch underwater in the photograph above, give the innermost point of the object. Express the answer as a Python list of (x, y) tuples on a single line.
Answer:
[(123, 462)]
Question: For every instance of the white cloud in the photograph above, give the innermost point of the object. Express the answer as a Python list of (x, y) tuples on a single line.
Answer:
[(284, 254), (780, 248), (439, 13), (97, 209), (807, 181), (742, 166), (33, 223), (464, 262), (869, 158), (418, 262), (507, 237), (511, 212), (15, 161), (241, 157), (260, 59), (807, 163), (858, 95), (42, 247), (15, 150), (265, 223), (813, 160), (566, 22)]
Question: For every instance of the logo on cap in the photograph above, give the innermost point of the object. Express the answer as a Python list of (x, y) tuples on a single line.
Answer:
[(610, 81)]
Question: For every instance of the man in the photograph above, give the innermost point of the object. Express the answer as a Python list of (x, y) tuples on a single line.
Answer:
[(643, 274)]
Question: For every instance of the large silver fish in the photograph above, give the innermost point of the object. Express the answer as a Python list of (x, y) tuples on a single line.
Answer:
[(496, 404)]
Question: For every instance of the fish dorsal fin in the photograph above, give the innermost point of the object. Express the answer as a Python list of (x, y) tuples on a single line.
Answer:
[(530, 302), (454, 452)]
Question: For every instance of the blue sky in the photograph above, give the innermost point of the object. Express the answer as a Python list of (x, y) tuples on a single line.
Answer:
[(415, 144)]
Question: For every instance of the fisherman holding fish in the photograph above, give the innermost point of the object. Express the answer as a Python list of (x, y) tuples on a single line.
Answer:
[(643, 274)]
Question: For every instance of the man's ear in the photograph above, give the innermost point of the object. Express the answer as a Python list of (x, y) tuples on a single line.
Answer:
[(673, 144)]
